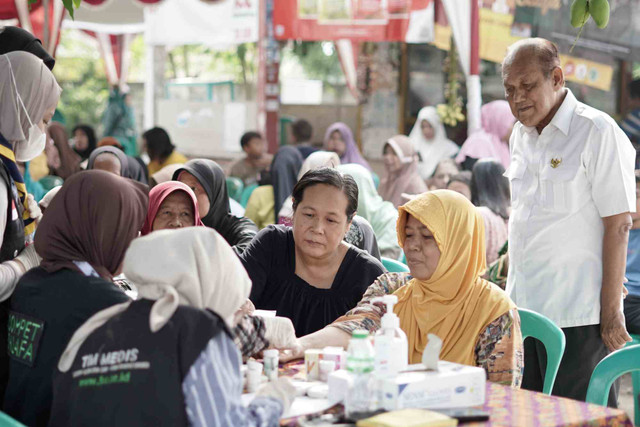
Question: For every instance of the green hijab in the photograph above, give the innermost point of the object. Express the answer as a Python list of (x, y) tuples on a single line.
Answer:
[(382, 215)]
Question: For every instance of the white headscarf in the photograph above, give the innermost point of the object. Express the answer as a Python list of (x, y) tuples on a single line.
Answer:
[(38, 90), (316, 160), (434, 150), (192, 266)]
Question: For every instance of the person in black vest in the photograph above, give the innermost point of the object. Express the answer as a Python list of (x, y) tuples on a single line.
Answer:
[(29, 94), (168, 358), (82, 240)]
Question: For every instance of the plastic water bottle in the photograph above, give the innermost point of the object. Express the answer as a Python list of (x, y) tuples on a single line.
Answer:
[(360, 400)]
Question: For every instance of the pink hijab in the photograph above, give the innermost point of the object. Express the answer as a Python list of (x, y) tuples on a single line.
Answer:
[(157, 196), (497, 120), (406, 179)]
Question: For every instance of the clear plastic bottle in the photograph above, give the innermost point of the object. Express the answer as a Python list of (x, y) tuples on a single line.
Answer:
[(360, 400), (390, 342)]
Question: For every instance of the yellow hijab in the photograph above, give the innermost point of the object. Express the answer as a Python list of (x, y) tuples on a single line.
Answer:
[(456, 304)]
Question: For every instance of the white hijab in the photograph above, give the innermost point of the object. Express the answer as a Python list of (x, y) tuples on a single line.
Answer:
[(434, 150), (192, 266), (38, 90), (316, 160)]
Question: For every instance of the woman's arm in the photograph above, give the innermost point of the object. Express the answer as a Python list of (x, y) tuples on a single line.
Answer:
[(366, 315), (499, 350), (212, 390)]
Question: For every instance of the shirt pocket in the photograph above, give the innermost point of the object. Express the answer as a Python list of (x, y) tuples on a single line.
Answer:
[(557, 187), (515, 173)]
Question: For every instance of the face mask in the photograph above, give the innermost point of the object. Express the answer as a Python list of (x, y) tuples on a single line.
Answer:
[(29, 149)]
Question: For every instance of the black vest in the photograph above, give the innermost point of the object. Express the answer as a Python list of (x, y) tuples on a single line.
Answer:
[(125, 375), (13, 241)]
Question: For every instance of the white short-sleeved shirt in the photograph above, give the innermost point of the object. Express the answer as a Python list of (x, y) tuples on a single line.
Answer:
[(563, 182)]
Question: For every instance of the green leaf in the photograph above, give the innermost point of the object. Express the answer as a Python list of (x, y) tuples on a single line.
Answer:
[(76, 3), (68, 4)]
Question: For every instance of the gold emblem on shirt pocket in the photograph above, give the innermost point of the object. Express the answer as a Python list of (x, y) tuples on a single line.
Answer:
[(557, 191)]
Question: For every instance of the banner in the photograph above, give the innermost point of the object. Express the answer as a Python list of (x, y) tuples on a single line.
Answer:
[(409, 21), (219, 24), (501, 26)]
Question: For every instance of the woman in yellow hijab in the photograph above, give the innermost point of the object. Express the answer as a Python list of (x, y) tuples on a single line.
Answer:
[(442, 235)]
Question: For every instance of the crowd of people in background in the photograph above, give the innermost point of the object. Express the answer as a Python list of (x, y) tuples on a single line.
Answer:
[(145, 257)]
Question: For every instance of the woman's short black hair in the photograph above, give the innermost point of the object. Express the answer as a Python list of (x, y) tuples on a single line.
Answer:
[(490, 188), (159, 145), (332, 177)]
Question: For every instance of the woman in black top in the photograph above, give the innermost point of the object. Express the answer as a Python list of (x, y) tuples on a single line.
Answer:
[(307, 273), (82, 240), (208, 181)]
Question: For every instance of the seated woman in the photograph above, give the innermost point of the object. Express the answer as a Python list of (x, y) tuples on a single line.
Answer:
[(82, 240), (491, 193), (340, 140), (84, 141), (112, 159), (161, 151), (381, 215), (207, 180), (429, 137), (445, 170), (492, 140), (173, 205), (443, 239), (401, 171), (191, 284), (267, 200), (461, 183), (360, 234), (307, 273)]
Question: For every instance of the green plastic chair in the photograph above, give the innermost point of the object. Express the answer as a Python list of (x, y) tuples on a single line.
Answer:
[(50, 181), (537, 326), (608, 370), (235, 188), (635, 380), (394, 266), (246, 193), (7, 421), (376, 179)]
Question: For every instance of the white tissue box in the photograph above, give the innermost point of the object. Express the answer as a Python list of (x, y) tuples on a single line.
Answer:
[(338, 382), (452, 386)]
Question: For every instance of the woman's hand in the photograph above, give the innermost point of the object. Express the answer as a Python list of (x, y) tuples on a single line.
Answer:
[(246, 308), (294, 353)]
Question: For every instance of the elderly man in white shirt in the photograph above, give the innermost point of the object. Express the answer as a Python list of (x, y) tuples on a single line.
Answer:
[(573, 188)]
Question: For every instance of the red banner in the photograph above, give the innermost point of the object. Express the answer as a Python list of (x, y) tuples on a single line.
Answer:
[(358, 20)]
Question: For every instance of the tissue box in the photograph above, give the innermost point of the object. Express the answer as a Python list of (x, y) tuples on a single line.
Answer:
[(339, 382), (452, 386)]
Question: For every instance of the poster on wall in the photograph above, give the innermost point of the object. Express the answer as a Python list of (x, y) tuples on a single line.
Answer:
[(503, 22), (409, 21)]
